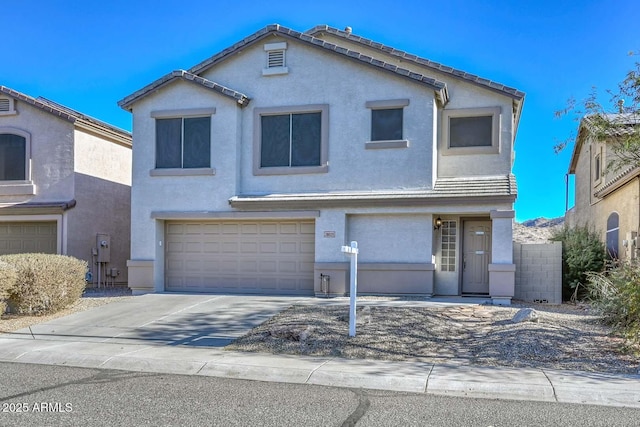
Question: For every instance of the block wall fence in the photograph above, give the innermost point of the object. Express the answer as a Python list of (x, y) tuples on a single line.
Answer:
[(538, 272)]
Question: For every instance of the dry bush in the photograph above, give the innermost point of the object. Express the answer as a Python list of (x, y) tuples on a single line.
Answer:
[(8, 277), (45, 283)]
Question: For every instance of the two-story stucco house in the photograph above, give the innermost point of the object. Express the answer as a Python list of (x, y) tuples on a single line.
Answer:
[(607, 200), (65, 185), (254, 167)]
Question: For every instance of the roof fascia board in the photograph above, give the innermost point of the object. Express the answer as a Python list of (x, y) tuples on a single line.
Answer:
[(309, 204), (439, 87), (127, 102), (450, 71)]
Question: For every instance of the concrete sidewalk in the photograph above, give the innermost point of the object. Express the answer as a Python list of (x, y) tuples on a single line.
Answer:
[(184, 334)]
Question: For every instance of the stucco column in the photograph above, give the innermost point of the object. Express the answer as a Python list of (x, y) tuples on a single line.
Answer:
[(502, 270)]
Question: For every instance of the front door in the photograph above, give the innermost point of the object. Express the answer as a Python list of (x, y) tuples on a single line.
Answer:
[(476, 257)]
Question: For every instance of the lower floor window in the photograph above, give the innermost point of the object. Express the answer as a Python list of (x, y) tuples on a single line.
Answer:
[(448, 245)]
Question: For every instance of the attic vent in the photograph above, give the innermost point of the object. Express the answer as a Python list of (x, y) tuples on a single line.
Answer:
[(276, 59), (6, 106)]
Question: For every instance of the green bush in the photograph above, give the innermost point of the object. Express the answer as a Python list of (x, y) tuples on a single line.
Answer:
[(8, 277), (616, 293), (582, 252), (45, 283)]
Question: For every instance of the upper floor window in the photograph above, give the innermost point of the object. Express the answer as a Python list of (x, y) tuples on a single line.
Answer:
[(13, 157), (613, 228), (387, 123), (276, 59), (290, 140), (183, 139), (471, 131)]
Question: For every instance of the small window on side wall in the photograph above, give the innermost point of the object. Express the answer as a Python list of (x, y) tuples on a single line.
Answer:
[(613, 230), (471, 131), (387, 124), (13, 157)]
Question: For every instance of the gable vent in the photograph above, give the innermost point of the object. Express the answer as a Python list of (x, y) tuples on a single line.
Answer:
[(275, 59), (5, 105)]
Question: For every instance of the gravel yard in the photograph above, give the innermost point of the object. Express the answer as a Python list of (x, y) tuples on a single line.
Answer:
[(91, 298), (565, 337)]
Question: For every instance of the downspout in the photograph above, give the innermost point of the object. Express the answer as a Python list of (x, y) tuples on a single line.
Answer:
[(566, 193)]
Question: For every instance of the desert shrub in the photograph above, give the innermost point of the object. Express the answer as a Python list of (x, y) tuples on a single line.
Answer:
[(582, 252), (8, 276), (45, 283), (616, 294)]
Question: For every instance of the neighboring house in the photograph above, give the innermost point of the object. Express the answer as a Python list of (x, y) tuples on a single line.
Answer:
[(606, 200), (254, 167), (65, 184)]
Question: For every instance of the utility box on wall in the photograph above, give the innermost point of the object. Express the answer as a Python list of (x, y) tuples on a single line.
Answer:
[(103, 243)]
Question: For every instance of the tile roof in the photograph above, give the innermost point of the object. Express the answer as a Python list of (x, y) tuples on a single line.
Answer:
[(242, 99), (446, 190), (512, 92), (69, 114), (501, 185), (438, 86)]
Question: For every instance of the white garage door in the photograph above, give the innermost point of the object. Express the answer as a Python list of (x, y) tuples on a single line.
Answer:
[(22, 237), (274, 257)]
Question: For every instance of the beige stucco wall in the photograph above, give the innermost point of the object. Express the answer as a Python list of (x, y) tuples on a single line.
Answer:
[(593, 211), (52, 159), (103, 201)]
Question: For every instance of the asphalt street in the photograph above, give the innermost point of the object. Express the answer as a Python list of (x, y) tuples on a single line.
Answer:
[(39, 395)]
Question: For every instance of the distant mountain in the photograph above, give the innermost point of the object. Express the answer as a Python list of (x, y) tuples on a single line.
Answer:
[(543, 222), (537, 230)]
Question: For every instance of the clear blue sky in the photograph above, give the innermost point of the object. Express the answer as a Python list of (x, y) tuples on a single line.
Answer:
[(90, 54)]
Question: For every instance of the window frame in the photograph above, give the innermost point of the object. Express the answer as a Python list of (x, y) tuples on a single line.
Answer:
[(597, 166), (391, 104), (323, 109), (183, 114), (612, 235), (21, 186), (494, 112), (449, 249)]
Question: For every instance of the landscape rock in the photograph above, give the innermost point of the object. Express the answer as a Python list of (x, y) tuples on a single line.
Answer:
[(526, 315)]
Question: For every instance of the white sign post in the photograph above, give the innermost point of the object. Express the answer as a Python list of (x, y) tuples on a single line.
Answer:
[(353, 252)]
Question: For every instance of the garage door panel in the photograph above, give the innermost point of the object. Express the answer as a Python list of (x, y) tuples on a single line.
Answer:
[(240, 256), (22, 237)]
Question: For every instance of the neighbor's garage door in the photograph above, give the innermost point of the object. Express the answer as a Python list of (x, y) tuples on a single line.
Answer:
[(21, 237), (274, 257)]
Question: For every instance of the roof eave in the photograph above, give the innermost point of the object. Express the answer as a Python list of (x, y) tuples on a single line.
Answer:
[(127, 102)]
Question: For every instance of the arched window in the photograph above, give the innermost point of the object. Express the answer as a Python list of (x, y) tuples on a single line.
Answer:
[(13, 157), (613, 228)]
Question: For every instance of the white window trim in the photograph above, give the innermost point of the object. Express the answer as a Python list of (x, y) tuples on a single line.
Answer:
[(494, 148), (387, 105), (271, 48), (291, 170), (12, 107), (182, 114), (19, 187)]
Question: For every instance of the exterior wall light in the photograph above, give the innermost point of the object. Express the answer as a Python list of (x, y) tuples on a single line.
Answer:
[(437, 223)]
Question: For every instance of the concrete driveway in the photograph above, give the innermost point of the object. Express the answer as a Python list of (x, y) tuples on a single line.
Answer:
[(199, 320)]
